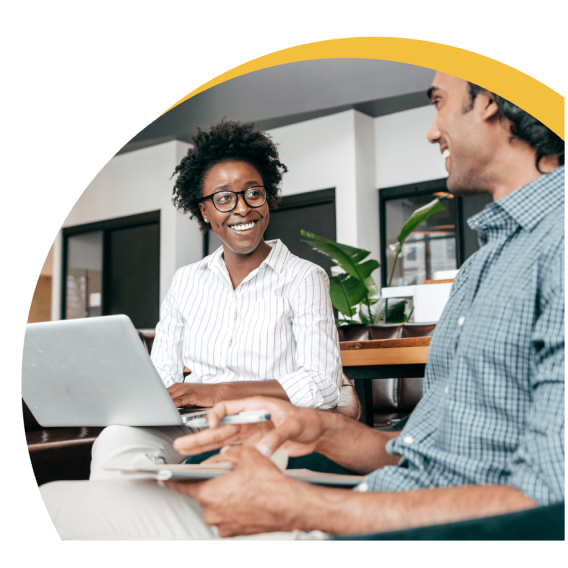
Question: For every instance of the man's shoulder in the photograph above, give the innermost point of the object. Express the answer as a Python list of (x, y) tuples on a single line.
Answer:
[(548, 236)]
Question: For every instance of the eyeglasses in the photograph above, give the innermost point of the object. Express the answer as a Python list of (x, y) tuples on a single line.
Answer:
[(226, 200)]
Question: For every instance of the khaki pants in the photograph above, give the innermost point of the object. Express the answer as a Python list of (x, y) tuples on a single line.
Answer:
[(109, 507)]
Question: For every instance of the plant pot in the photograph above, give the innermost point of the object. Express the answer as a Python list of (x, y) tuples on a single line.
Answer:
[(385, 331), (353, 332), (418, 329)]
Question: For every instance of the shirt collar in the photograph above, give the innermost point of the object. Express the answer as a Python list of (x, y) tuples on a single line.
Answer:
[(276, 258), (528, 205)]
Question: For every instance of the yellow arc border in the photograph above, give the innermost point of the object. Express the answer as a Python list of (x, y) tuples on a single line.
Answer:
[(531, 95)]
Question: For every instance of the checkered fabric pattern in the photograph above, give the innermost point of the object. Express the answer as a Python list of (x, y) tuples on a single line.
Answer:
[(493, 406)]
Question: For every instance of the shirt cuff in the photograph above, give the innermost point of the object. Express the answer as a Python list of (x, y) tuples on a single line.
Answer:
[(302, 390)]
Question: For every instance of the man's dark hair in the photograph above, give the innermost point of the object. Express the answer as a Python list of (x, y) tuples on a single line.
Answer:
[(525, 127), (226, 141)]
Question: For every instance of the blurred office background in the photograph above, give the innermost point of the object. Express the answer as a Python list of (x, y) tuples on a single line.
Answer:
[(353, 135)]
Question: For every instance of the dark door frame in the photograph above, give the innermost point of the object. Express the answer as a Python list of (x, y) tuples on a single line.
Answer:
[(412, 190), (105, 226), (318, 197)]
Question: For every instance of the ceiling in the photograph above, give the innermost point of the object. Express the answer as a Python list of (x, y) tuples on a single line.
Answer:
[(294, 92)]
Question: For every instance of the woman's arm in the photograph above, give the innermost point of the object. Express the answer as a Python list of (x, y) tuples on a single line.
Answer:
[(200, 394), (317, 379), (168, 344)]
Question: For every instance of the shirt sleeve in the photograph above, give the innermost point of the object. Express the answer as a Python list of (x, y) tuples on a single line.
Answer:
[(537, 466), (317, 379), (168, 343)]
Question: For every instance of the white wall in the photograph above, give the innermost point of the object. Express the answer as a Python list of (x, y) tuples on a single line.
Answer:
[(349, 151), (403, 154), (132, 183), (367, 196), (320, 154), (335, 151)]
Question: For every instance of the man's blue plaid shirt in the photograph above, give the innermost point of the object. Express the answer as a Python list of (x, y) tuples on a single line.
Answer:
[(493, 406)]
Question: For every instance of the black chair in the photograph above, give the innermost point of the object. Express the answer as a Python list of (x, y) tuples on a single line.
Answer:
[(541, 523)]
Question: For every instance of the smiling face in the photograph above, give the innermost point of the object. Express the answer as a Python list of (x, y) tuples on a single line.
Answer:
[(242, 229), (462, 133)]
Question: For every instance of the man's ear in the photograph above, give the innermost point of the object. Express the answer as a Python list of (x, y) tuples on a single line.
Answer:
[(487, 105)]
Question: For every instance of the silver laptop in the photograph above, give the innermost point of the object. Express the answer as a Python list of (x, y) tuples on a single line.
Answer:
[(94, 372)]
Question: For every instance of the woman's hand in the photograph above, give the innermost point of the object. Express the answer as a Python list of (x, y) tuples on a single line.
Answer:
[(195, 394), (297, 430)]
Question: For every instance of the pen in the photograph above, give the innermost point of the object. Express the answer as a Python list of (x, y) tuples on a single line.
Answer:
[(247, 417)]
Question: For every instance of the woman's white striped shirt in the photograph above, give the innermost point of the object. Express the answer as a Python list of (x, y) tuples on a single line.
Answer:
[(278, 324)]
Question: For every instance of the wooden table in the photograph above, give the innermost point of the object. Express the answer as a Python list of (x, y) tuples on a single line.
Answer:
[(382, 359)]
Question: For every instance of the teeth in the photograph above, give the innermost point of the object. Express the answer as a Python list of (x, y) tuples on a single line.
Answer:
[(244, 227), (446, 154)]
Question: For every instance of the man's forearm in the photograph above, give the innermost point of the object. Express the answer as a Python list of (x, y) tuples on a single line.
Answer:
[(338, 511), (367, 455)]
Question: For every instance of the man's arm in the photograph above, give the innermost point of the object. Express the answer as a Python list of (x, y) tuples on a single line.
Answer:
[(338, 511), (256, 497), (537, 465), (300, 431)]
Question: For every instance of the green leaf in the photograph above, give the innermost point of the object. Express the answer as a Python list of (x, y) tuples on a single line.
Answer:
[(340, 257), (356, 254), (395, 308), (368, 267), (374, 295), (339, 321), (346, 292), (417, 218), (371, 316)]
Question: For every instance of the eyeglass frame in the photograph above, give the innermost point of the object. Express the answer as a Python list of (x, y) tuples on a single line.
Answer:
[(236, 193)]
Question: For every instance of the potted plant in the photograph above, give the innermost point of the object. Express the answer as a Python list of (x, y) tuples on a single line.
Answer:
[(353, 290)]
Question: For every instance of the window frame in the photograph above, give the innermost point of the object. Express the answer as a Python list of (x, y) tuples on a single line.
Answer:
[(105, 226), (412, 190)]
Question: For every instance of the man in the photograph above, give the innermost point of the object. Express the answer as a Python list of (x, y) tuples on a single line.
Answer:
[(487, 437)]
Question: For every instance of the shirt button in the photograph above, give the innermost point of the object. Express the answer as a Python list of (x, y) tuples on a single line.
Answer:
[(362, 488), (408, 440), (461, 320), (447, 390)]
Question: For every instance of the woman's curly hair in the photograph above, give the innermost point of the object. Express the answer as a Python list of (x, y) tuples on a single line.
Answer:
[(226, 141)]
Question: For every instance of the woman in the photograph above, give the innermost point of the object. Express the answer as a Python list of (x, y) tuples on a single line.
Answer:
[(250, 319)]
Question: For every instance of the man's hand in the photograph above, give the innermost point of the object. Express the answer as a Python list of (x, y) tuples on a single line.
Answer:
[(297, 430), (254, 498), (194, 394)]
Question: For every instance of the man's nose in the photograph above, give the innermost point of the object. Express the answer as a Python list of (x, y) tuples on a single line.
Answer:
[(434, 133)]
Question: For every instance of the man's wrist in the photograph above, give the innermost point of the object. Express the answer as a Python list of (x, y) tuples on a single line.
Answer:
[(331, 422), (326, 509)]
